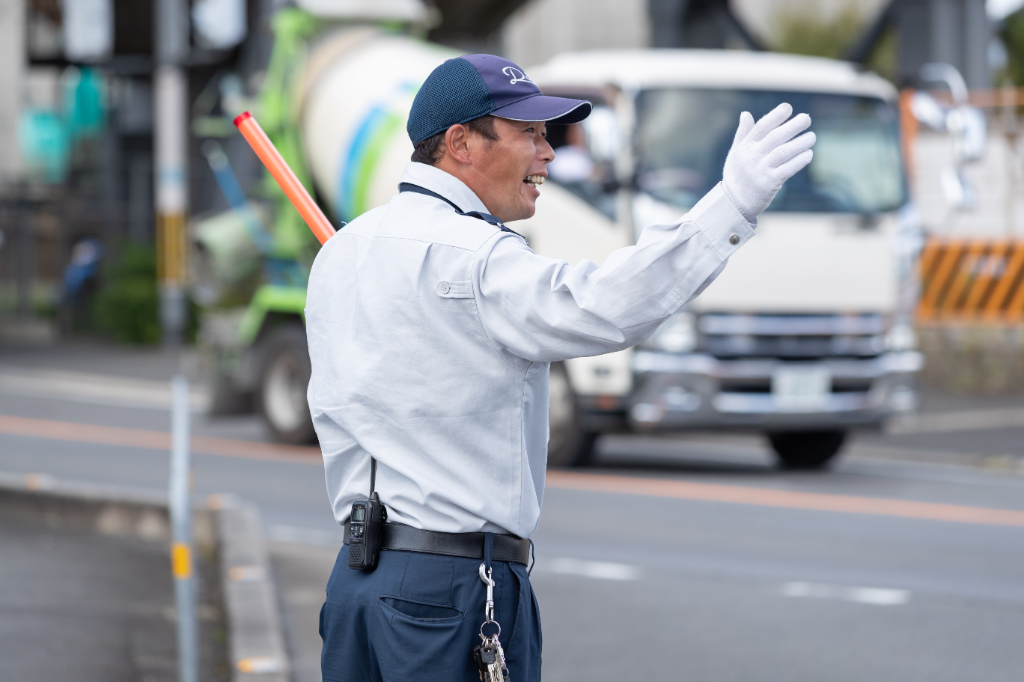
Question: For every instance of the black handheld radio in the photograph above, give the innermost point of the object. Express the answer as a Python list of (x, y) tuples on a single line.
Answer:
[(365, 526)]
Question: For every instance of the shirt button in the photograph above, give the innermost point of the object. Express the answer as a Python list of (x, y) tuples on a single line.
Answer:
[(734, 239), (443, 288)]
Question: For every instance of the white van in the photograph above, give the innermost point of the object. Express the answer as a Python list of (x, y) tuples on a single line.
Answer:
[(808, 332)]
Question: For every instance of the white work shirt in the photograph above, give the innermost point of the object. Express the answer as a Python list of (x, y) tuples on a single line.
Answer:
[(431, 333)]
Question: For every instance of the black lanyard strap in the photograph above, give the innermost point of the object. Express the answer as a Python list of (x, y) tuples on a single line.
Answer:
[(486, 217)]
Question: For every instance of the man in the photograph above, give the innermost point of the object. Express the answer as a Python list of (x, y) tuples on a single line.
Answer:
[(431, 327)]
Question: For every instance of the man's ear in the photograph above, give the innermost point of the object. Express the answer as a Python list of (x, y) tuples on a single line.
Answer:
[(456, 139)]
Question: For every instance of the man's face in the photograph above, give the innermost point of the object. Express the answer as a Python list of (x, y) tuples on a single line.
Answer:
[(508, 170)]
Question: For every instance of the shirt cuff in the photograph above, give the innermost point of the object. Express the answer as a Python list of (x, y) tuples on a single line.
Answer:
[(721, 222)]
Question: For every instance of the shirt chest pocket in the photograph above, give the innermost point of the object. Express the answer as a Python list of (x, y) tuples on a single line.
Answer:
[(454, 289)]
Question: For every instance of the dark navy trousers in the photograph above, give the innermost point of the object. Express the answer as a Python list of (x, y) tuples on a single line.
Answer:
[(417, 617)]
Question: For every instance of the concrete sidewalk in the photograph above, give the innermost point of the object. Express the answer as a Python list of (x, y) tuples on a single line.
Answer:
[(81, 606), (76, 607)]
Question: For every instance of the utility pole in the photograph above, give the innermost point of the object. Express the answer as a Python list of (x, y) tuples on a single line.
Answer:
[(170, 106)]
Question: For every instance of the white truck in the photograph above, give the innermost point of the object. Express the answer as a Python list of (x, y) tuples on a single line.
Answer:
[(808, 331), (805, 335)]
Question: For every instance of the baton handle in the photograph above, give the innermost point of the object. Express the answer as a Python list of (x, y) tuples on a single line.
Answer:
[(278, 167)]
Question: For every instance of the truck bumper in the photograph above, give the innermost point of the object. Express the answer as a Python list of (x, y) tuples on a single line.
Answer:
[(684, 391)]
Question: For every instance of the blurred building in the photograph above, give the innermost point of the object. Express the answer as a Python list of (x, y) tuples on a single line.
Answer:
[(543, 28), (77, 124), (954, 31)]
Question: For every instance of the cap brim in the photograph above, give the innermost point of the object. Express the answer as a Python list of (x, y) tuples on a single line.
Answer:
[(559, 110)]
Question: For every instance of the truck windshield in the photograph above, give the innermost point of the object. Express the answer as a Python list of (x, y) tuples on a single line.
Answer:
[(683, 137)]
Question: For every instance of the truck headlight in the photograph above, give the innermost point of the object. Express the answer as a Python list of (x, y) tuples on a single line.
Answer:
[(677, 334), (901, 337)]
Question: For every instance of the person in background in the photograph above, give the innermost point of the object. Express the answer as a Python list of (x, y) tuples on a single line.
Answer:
[(572, 163)]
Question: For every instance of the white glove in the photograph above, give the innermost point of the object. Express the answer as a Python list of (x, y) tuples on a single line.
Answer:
[(763, 156)]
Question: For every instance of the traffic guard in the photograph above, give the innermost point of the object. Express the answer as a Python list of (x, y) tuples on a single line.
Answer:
[(431, 327)]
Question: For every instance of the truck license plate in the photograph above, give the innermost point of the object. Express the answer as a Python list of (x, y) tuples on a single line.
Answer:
[(801, 389)]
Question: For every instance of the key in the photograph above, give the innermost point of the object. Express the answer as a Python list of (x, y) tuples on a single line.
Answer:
[(489, 656), (501, 658), (488, 662), (490, 659)]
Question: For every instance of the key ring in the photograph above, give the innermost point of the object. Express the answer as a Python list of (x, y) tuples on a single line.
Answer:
[(496, 634)]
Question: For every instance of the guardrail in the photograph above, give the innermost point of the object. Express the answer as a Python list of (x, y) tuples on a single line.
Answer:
[(972, 280)]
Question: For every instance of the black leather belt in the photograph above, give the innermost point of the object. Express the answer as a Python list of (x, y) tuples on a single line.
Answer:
[(397, 536)]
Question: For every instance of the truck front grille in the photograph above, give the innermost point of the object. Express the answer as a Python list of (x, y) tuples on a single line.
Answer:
[(793, 337), (765, 385)]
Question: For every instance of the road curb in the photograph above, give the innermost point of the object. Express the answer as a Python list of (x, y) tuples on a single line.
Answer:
[(255, 638), (108, 511)]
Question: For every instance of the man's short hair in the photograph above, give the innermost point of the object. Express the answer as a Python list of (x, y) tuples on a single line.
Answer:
[(431, 149)]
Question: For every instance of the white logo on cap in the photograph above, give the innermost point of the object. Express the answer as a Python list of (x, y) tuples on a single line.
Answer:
[(516, 75)]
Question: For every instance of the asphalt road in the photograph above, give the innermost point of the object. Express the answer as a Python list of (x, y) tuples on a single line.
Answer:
[(682, 558)]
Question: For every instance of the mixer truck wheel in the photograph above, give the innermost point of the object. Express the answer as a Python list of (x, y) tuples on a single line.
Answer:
[(281, 393), (569, 445), (806, 449)]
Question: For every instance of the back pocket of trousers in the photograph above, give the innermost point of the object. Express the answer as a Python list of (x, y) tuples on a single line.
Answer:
[(423, 641), (424, 611)]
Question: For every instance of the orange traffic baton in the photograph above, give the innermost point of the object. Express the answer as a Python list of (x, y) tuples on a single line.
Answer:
[(278, 167)]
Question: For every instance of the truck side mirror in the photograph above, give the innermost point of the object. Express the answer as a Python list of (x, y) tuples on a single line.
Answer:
[(927, 110), (968, 128), (965, 124)]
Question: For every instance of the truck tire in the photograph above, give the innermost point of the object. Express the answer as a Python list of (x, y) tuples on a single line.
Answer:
[(281, 391), (806, 450), (569, 445)]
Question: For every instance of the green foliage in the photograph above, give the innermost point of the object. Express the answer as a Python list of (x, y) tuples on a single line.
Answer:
[(885, 57), (1012, 35), (126, 306), (811, 31)]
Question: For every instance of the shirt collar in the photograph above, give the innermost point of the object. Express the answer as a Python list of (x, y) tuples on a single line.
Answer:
[(445, 184)]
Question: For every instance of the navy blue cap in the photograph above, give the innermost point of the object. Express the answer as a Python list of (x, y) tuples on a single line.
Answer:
[(476, 85)]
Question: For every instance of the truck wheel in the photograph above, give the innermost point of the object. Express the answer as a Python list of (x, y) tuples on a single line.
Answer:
[(284, 377), (806, 449), (569, 445)]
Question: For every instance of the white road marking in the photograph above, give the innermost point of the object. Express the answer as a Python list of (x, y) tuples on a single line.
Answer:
[(599, 570), (931, 471), (875, 596), (97, 389), (964, 420)]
